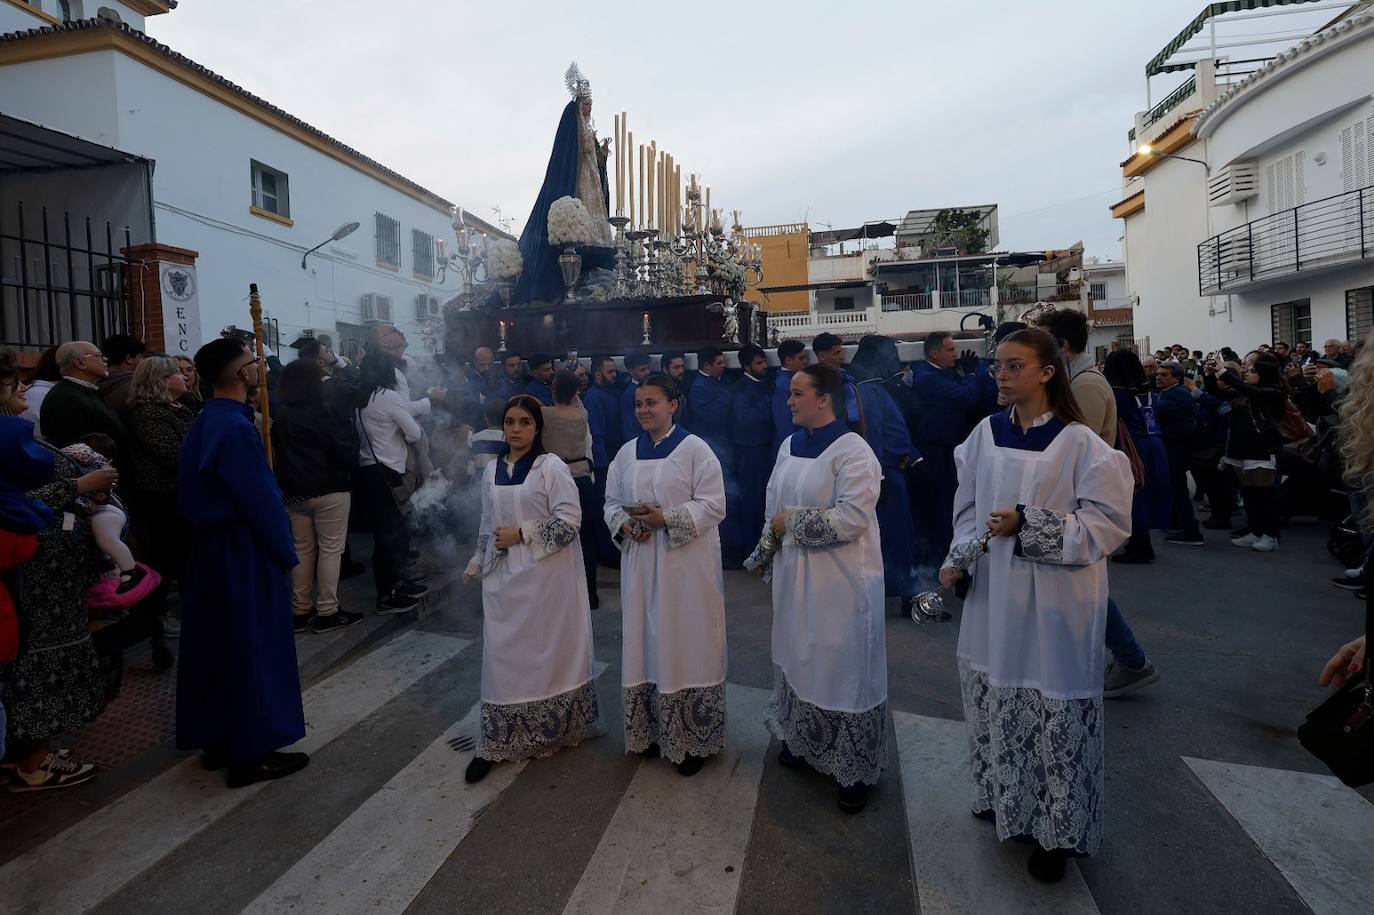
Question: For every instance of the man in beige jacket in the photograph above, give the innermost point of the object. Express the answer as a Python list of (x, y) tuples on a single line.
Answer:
[(1130, 669)]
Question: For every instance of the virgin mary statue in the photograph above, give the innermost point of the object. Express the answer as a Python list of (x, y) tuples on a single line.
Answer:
[(577, 168)]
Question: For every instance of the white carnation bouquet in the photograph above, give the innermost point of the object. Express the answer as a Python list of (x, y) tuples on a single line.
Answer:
[(569, 222), (504, 261)]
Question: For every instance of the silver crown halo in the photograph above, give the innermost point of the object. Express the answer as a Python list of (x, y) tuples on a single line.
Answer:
[(578, 85)]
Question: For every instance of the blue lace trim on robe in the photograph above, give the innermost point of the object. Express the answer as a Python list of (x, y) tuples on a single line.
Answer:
[(522, 469), (646, 450), (1007, 433), (811, 443)]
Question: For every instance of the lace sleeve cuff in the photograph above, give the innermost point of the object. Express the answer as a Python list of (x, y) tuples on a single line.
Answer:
[(1041, 537), (964, 556), (680, 526), (813, 527), (546, 537)]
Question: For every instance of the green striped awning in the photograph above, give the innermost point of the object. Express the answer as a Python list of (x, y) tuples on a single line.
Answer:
[(1158, 64)]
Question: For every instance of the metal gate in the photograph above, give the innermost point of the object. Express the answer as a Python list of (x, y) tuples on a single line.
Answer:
[(60, 279)]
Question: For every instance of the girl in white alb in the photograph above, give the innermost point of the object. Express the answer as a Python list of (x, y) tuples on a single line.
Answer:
[(821, 547), (538, 689), (665, 499), (1042, 502)]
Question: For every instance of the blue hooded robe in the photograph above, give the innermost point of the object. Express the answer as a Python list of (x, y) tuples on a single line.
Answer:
[(237, 684)]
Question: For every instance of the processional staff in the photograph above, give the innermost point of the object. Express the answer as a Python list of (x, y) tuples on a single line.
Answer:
[(255, 309)]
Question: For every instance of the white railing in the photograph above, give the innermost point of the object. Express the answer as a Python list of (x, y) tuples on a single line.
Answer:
[(915, 301), (846, 323), (844, 317)]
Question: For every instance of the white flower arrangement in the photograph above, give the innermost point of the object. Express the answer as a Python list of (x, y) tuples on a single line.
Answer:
[(569, 223), (504, 261)]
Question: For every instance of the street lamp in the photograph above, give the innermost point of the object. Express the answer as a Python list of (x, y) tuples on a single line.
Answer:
[(1147, 150), (342, 231)]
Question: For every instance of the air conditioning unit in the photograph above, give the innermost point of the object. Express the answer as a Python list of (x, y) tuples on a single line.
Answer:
[(376, 307), (426, 306), (1233, 183)]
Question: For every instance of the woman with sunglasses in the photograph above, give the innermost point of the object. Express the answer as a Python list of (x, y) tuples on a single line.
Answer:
[(1041, 504)]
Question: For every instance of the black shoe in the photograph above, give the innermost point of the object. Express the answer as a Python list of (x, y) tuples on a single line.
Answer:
[(1349, 584), (163, 659), (1217, 524), (212, 759), (650, 752), (690, 765), (1047, 865), (854, 798), (265, 768), (1186, 539), (130, 579), (395, 602), (351, 570), (594, 600), (339, 619), (987, 816), (1133, 559), (301, 621), (411, 589), (791, 761), (412, 555), (477, 770)]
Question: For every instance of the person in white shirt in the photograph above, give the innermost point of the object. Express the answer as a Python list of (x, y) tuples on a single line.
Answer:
[(46, 374), (1042, 502), (386, 430)]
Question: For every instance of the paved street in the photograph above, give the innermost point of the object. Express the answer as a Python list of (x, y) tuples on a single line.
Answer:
[(1211, 803)]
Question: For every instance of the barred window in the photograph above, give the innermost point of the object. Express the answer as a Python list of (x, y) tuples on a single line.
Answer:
[(1359, 313), (422, 248), (1097, 291), (1292, 321), (388, 241)]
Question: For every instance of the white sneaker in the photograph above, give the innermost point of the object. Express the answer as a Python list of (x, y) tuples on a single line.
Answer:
[(1265, 544), (1248, 541), (1353, 573)]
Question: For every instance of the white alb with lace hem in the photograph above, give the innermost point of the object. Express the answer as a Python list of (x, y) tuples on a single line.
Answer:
[(828, 602), (672, 593), (536, 629)]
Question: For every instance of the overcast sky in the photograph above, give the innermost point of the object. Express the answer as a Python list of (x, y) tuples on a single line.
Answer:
[(834, 112)]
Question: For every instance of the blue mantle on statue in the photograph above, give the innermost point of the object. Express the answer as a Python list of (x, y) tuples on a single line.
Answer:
[(542, 280)]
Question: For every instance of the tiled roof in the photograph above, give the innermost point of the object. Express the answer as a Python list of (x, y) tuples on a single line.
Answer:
[(80, 25), (1326, 40)]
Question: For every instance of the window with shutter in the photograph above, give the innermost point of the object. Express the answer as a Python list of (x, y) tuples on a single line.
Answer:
[(1359, 313), (388, 241), (422, 250)]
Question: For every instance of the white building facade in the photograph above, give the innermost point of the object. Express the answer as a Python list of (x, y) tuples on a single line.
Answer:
[(247, 186), (1249, 217)]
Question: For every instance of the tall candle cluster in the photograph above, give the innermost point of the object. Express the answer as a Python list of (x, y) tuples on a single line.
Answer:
[(649, 186)]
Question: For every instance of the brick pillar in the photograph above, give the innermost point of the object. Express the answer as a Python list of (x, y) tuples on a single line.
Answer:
[(155, 315)]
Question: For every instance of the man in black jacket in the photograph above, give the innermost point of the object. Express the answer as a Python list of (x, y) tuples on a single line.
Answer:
[(74, 408), (1176, 414)]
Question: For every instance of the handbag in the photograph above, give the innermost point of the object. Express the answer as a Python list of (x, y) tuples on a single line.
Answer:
[(1340, 731), (1293, 427), (401, 485)]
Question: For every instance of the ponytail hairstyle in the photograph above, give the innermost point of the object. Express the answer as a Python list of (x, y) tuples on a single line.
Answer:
[(829, 380), (535, 409), (665, 384), (1058, 389)]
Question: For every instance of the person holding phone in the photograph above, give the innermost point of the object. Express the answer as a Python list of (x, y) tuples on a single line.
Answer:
[(665, 500)]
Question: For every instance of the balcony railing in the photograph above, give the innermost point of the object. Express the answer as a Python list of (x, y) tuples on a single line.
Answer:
[(843, 323), (1171, 101), (1314, 236), (916, 301), (924, 301)]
